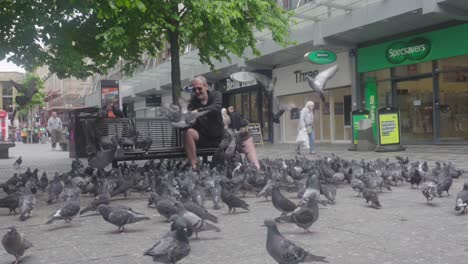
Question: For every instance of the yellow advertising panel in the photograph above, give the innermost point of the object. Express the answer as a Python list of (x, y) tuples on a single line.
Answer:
[(389, 129)]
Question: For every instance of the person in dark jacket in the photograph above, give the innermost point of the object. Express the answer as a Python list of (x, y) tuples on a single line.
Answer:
[(208, 128), (235, 118)]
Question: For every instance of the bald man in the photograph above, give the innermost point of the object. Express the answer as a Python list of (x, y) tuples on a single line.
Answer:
[(209, 128), (54, 125)]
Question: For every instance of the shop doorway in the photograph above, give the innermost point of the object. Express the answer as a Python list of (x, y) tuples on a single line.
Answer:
[(415, 99)]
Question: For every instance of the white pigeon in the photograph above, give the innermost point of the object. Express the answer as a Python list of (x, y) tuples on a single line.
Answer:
[(179, 115), (318, 83)]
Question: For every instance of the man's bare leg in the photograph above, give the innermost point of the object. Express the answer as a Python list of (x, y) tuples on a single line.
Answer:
[(190, 139), (250, 152)]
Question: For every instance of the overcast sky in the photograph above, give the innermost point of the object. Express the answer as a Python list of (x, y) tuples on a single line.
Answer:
[(9, 67)]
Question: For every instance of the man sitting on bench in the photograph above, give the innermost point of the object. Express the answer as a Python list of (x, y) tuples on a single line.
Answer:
[(208, 128)]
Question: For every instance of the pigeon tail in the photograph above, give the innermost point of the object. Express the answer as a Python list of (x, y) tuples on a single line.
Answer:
[(50, 221), (209, 226), (314, 258), (141, 218)]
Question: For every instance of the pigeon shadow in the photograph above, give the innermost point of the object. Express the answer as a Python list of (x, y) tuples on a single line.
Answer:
[(300, 233), (62, 226), (205, 239), (88, 215), (236, 213), (460, 213), (263, 201), (23, 259), (431, 204), (117, 232)]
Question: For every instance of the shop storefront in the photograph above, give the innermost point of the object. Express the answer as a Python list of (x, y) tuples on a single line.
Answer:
[(250, 101), (332, 119), (426, 77)]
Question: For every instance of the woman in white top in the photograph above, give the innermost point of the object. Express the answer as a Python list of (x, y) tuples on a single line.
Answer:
[(306, 128), (226, 118)]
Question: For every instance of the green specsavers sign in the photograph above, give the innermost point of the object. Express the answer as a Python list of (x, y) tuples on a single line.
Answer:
[(439, 44), (320, 57), (414, 50)]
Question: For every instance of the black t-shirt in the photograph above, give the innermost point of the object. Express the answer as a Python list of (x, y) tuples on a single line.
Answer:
[(211, 124)]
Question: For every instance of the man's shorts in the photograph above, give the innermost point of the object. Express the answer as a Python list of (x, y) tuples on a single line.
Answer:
[(208, 142)]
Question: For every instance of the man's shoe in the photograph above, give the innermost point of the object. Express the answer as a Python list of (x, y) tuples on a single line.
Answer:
[(312, 152)]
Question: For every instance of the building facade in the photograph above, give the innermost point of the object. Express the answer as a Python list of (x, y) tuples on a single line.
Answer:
[(7, 91)]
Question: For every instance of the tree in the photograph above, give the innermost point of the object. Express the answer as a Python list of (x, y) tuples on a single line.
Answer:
[(83, 37)]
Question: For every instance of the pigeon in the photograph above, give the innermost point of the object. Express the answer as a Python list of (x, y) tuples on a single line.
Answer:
[(371, 196), (415, 178), (102, 198), (196, 222), (55, 188), (171, 248), (18, 162), (15, 244), (284, 251), (444, 184), (198, 210), (166, 208), (305, 214), (329, 191), (267, 190), (119, 216), (70, 209), (11, 202), (280, 202), (461, 201), (27, 202), (180, 116), (43, 182), (318, 83), (178, 221), (429, 190), (153, 199), (232, 201)]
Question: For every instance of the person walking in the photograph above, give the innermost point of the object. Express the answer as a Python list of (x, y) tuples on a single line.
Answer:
[(54, 125), (235, 118), (226, 118), (306, 134)]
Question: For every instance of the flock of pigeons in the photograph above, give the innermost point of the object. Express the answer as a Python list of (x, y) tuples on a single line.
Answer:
[(179, 194)]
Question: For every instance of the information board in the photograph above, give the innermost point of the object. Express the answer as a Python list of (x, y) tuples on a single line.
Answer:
[(255, 131), (389, 126)]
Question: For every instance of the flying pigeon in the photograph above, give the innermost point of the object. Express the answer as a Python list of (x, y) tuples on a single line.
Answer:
[(18, 162), (179, 115), (15, 244), (119, 216), (284, 251), (461, 201), (318, 83)]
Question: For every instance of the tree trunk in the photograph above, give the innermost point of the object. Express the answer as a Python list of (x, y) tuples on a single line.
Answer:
[(175, 64)]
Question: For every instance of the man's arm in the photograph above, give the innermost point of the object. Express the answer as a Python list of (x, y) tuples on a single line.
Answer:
[(48, 124), (216, 105)]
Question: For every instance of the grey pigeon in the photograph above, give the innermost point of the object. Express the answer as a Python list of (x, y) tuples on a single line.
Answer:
[(280, 202), (178, 221), (166, 208), (15, 244), (171, 248), (461, 201), (103, 198), (232, 201), (429, 190), (318, 83), (118, 216), (305, 214), (329, 191), (180, 116), (371, 196), (197, 223), (11, 202), (284, 251), (70, 209), (27, 202), (55, 188), (43, 182), (198, 210), (18, 162), (444, 183)]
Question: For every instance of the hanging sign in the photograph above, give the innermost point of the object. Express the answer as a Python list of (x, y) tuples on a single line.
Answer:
[(321, 57), (372, 103)]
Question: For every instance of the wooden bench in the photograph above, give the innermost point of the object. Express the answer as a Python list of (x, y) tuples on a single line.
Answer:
[(167, 140), (4, 149)]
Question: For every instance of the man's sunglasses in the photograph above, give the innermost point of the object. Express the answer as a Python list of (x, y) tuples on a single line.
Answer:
[(197, 89)]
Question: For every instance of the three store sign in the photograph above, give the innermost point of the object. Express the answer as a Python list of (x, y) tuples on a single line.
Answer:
[(415, 50)]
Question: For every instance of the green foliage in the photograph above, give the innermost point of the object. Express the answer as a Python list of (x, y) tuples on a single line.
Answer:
[(32, 81), (85, 37)]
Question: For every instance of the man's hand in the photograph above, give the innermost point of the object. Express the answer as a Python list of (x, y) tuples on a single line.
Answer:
[(195, 111)]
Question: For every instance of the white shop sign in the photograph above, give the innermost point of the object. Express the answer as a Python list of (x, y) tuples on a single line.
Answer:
[(292, 79)]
